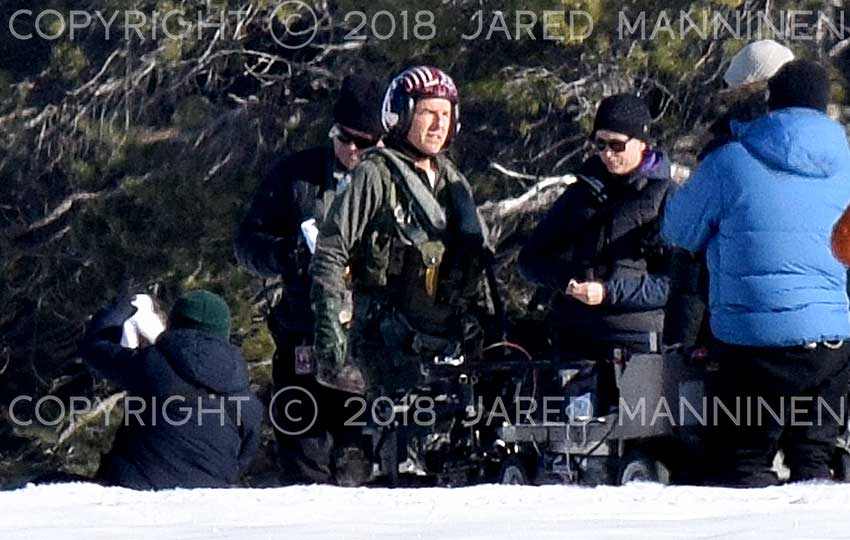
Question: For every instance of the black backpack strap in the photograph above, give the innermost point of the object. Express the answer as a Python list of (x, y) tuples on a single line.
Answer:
[(596, 187), (426, 205)]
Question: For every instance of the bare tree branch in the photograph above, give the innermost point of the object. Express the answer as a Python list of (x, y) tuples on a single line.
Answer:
[(68, 203), (86, 86)]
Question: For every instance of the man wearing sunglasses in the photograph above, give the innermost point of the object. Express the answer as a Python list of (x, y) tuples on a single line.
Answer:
[(275, 240), (349, 143), (598, 248)]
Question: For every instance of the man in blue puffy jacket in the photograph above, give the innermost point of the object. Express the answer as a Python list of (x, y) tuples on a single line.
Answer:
[(762, 207)]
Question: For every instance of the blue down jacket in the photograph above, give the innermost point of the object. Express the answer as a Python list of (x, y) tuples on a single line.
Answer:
[(763, 209)]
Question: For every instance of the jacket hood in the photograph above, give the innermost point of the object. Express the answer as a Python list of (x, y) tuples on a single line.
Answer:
[(796, 140), (205, 361)]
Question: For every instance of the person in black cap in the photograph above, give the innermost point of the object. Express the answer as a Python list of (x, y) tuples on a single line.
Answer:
[(743, 99), (801, 84), (598, 250), (190, 419), (276, 239), (777, 296)]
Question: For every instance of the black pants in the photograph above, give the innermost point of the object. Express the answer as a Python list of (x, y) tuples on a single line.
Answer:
[(779, 399), (309, 433)]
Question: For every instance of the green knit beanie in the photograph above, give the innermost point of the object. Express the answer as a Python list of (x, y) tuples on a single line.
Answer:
[(203, 311)]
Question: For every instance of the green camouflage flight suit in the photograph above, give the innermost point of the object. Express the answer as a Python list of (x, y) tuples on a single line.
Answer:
[(416, 258)]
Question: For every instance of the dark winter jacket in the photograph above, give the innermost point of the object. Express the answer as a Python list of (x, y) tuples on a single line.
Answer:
[(686, 320), (187, 378), (605, 228), (270, 242)]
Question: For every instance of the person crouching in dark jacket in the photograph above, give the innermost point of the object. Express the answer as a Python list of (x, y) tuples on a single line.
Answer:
[(598, 246), (190, 418)]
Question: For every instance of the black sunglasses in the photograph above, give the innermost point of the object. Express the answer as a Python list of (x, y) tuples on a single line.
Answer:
[(359, 142), (614, 144)]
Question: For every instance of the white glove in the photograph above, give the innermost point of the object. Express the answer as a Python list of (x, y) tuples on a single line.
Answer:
[(144, 323), (311, 233)]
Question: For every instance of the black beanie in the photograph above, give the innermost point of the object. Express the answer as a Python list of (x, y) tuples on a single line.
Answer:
[(203, 311), (623, 113), (359, 105), (800, 83)]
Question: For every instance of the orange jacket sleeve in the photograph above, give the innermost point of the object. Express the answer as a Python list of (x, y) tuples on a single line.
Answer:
[(841, 238)]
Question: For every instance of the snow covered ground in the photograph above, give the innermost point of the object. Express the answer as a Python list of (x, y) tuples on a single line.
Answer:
[(637, 511)]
